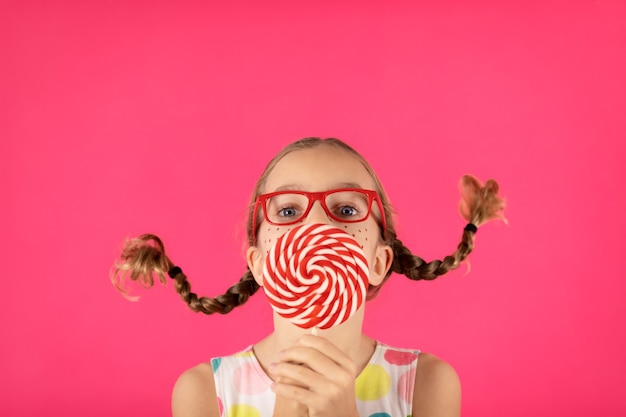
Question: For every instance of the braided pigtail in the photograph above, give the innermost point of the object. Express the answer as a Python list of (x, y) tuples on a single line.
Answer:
[(479, 204), (235, 296), (144, 258)]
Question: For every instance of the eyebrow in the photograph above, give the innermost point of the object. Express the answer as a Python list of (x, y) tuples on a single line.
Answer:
[(298, 187)]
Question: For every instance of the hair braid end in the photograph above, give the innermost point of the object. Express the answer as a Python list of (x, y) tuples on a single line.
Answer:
[(480, 203), (142, 259)]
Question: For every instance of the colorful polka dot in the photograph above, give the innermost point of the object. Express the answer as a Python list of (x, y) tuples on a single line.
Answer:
[(220, 406), (243, 410), (247, 381), (373, 383), (215, 364), (406, 381), (398, 357)]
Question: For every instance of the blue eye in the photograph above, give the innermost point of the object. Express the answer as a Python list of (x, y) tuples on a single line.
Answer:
[(347, 211), (287, 212)]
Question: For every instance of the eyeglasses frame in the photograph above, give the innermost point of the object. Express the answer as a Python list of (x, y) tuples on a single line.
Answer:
[(261, 202)]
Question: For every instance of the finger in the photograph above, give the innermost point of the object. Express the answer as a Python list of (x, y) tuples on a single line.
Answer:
[(317, 372), (295, 374), (295, 393), (286, 407), (310, 358), (310, 398), (320, 354), (324, 346)]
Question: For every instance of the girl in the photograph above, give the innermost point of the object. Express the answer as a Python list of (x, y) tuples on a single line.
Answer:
[(340, 371)]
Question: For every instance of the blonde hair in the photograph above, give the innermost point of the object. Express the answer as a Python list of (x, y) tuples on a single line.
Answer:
[(144, 257)]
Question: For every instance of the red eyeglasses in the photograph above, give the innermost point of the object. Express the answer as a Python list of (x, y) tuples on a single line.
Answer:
[(345, 205)]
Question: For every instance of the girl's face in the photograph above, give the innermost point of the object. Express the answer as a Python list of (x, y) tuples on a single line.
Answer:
[(317, 169)]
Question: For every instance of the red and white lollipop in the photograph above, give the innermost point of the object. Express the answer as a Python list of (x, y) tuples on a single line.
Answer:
[(316, 276)]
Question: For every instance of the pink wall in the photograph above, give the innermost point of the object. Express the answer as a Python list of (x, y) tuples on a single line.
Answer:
[(159, 116)]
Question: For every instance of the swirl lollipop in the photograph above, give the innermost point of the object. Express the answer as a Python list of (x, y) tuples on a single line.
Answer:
[(316, 276)]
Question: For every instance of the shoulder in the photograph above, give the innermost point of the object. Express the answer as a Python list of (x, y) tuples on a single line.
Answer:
[(437, 391), (194, 393)]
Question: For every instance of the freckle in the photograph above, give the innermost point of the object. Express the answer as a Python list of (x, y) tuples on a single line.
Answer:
[(353, 235), (269, 240), (360, 231), (268, 229), (346, 226), (278, 228), (361, 246), (365, 238)]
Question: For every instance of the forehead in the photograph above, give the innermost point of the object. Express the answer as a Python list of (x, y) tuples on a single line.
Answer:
[(318, 169)]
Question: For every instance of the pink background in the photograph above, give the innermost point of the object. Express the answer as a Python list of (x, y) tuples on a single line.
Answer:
[(131, 117)]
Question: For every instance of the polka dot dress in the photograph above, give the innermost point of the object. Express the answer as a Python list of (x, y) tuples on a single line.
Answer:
[(383, 389)]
